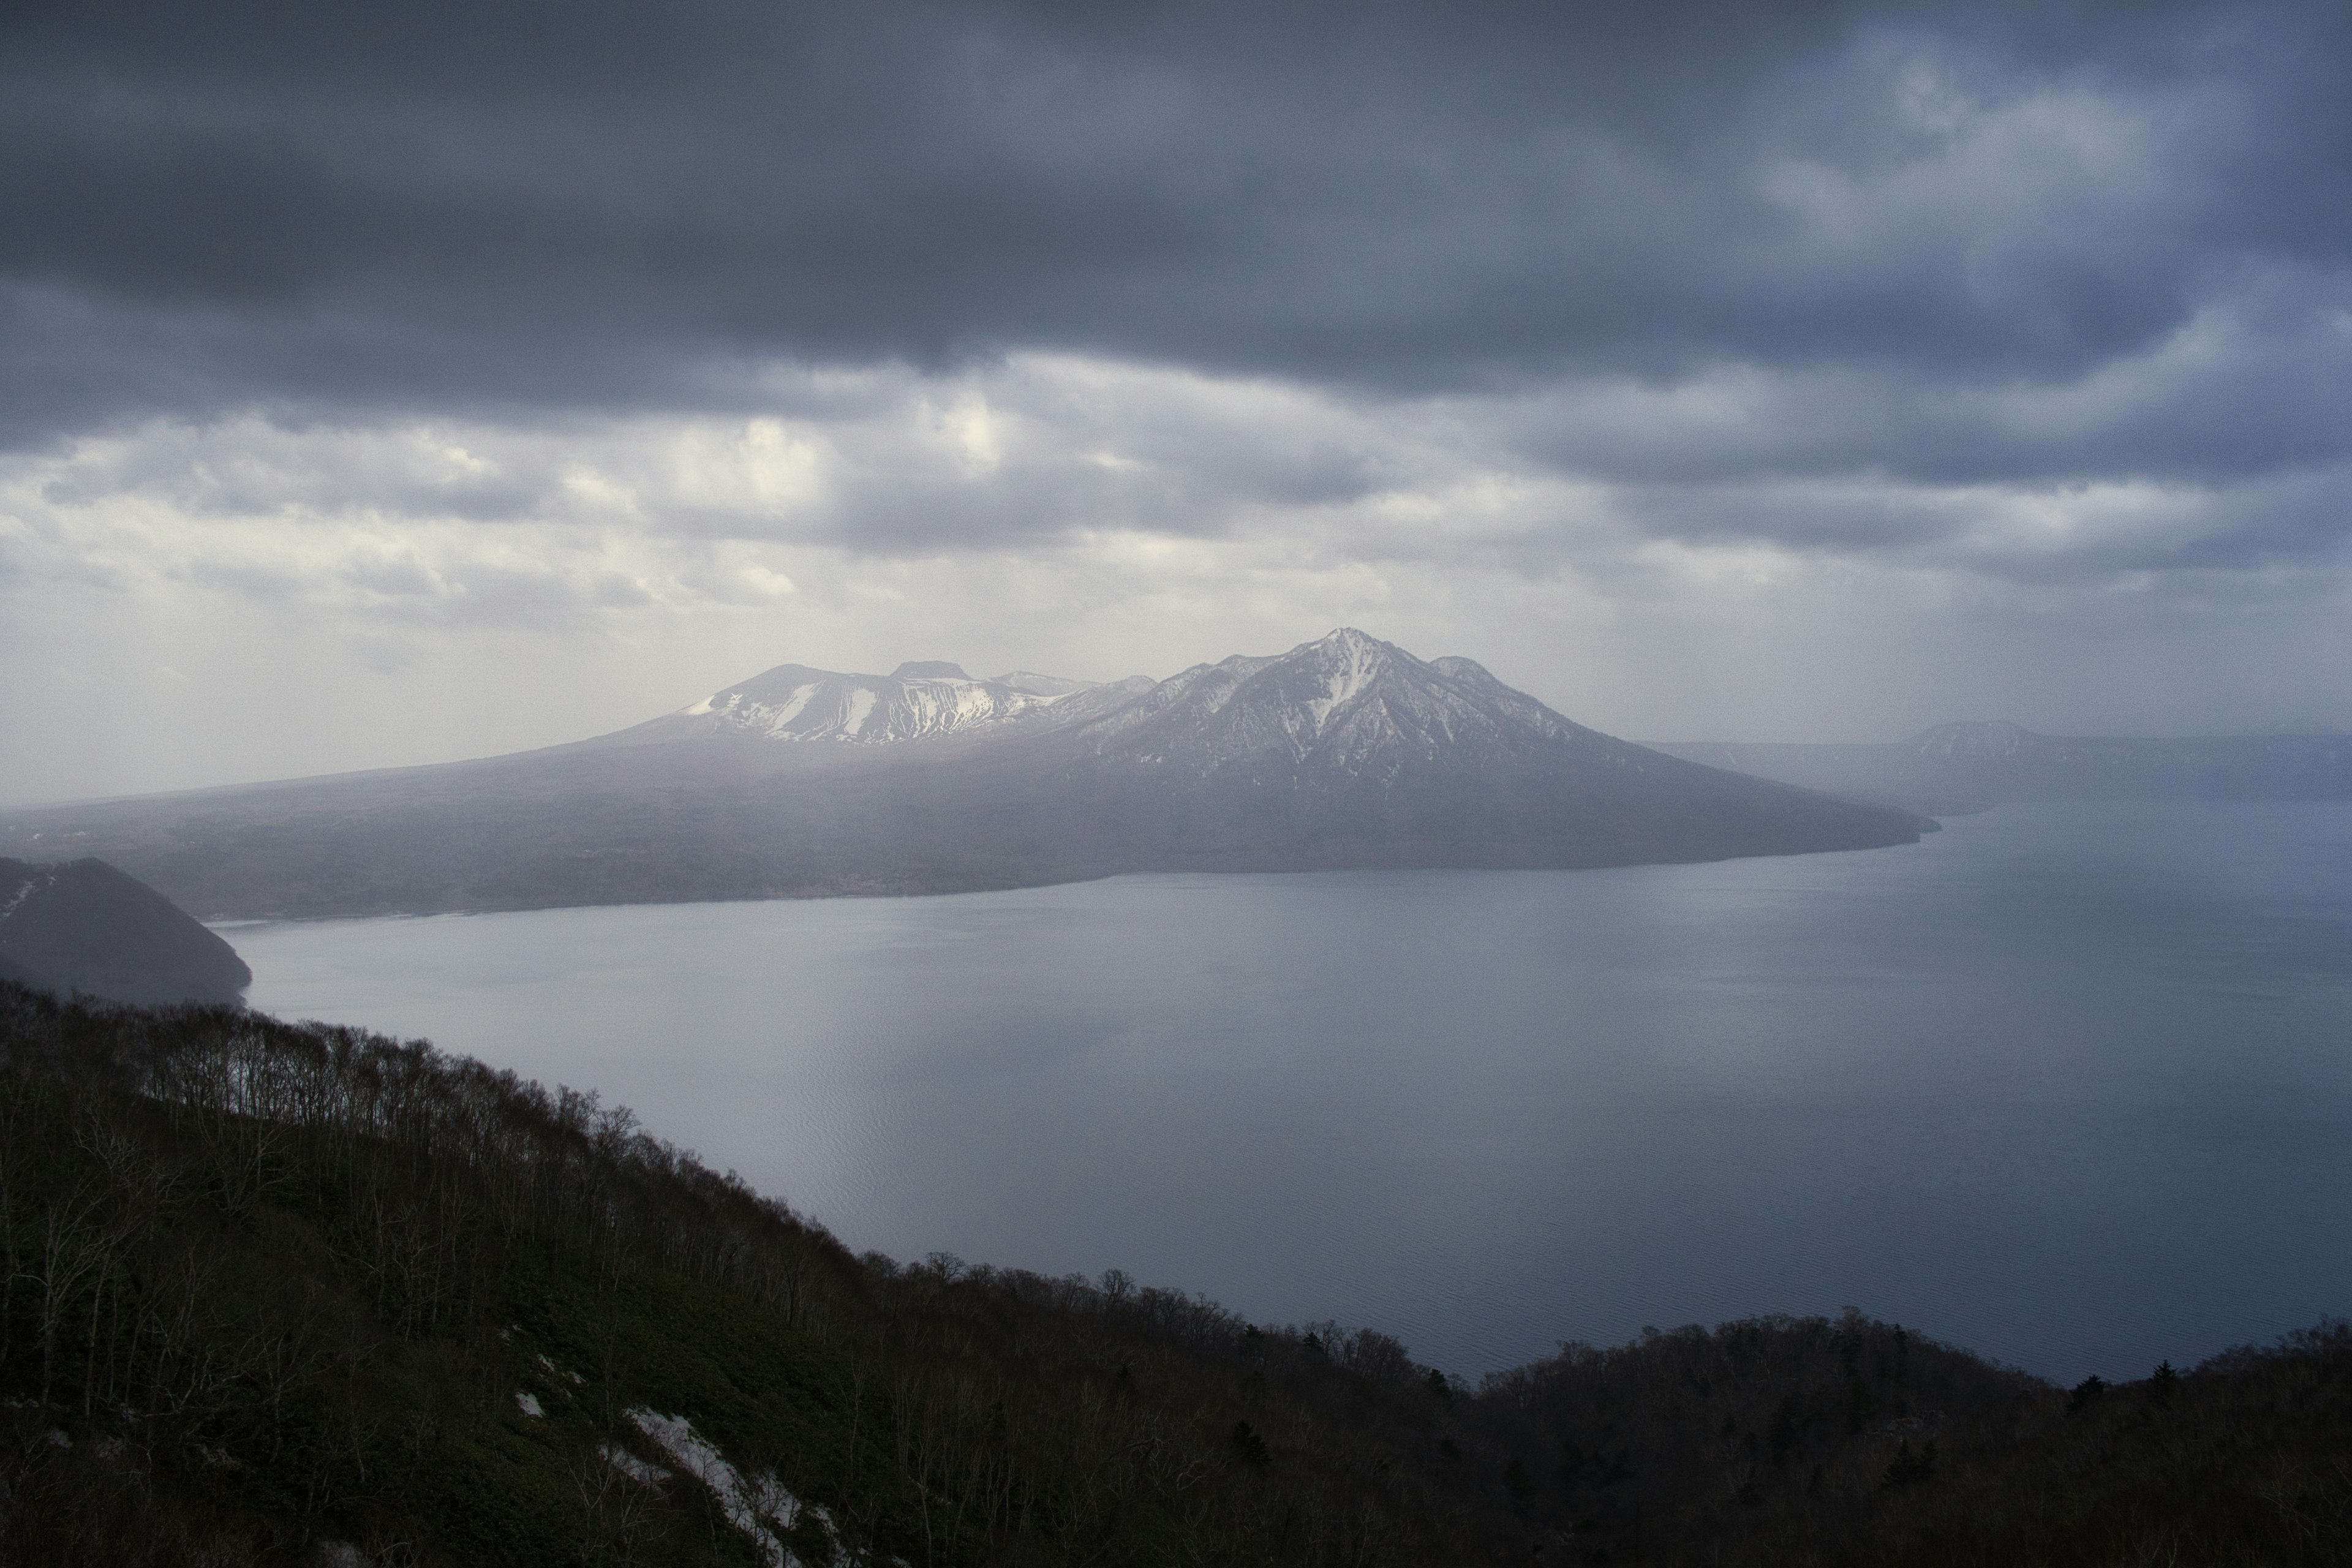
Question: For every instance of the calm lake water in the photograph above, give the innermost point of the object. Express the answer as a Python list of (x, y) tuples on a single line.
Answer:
[(2071, 1086)]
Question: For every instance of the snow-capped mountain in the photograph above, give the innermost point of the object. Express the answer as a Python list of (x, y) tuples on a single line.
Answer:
[(1346, 752), (1346, 705), (921, 700)]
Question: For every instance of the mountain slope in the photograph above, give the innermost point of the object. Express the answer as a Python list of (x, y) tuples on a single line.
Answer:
[(1985, 764), (1343, 753)]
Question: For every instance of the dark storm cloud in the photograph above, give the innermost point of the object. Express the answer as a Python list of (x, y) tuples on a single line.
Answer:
[(621, 205)]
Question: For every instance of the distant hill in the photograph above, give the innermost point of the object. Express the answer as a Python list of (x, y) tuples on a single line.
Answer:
[(84, 926), (1346, 752), (1971, 766)]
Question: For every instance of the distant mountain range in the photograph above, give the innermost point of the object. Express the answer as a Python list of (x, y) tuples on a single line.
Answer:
[(85, 926), (1968, 766), (1346, 752)]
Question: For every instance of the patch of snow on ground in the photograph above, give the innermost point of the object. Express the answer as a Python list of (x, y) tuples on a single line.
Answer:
[(750, 1505), (528, 1403), (637, 1469)]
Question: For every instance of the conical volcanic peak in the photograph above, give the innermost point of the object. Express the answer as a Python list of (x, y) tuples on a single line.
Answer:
[(1347, 704)]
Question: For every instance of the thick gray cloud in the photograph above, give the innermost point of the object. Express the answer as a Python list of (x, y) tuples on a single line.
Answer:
[(617, 205)]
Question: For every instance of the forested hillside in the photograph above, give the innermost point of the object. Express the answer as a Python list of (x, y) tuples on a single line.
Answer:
[(294, 1294)]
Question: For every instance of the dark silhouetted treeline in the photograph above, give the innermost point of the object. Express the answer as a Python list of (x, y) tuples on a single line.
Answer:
[(1815, 1441), (296, 1294)]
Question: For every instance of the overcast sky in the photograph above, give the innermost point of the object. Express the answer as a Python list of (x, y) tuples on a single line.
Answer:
[(393, 384)]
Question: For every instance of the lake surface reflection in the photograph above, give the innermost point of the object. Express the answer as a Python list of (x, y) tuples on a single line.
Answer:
[(2071, 1086)]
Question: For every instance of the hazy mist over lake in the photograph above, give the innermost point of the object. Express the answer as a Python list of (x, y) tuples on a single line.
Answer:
[(2066, 1085)]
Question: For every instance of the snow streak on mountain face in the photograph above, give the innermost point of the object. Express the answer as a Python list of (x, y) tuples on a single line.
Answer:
[(917, 701)]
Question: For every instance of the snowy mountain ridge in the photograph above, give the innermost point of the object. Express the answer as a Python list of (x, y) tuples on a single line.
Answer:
[(922, 699), (1346, 703)]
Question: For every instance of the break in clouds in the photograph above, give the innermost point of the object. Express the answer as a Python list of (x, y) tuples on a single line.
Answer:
[(393, 384)]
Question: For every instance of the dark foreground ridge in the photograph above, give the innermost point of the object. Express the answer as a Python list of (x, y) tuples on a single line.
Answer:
[(292, 1294), (1343, 753)]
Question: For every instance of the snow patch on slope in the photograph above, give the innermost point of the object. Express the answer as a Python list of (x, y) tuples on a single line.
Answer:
[(750, 1504), (1353, 664), (637, 1469), (778, 718)]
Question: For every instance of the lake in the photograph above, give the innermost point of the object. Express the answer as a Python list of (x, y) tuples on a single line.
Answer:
[(2068, 1085)]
